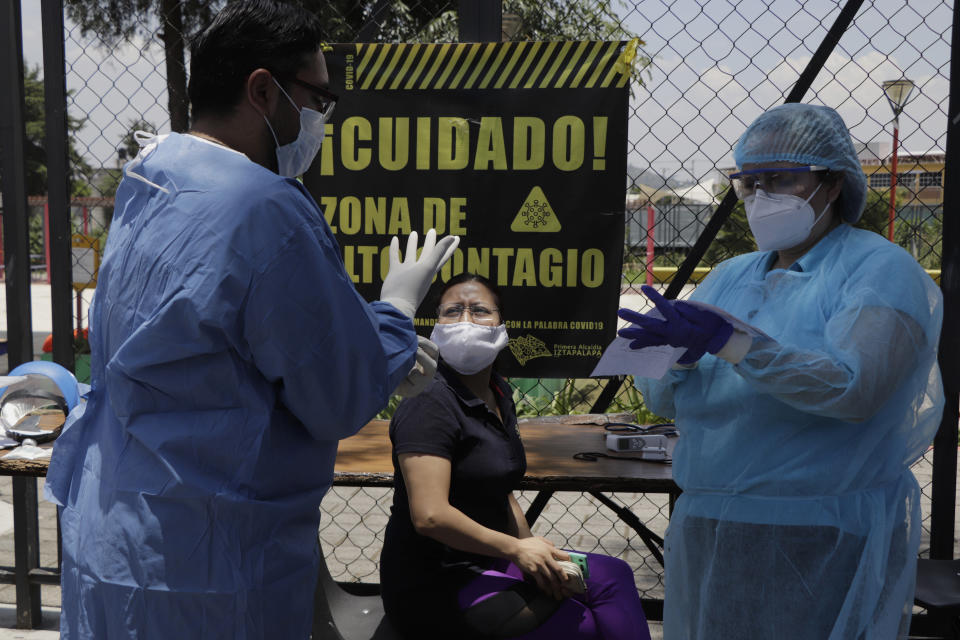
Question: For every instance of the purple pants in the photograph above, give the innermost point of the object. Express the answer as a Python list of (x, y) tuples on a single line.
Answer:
[(609, 610)]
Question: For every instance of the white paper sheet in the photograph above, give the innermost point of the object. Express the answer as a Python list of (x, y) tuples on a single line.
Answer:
[(650, 362), (654, 362)]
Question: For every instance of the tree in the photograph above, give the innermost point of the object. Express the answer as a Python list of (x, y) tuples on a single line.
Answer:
[(34, 144), (112, 21), (35, 155)]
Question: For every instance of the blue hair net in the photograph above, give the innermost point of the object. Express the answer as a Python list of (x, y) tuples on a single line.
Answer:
[(807, 134)]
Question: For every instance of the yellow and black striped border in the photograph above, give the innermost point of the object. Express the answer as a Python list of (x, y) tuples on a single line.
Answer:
[(493, 65)]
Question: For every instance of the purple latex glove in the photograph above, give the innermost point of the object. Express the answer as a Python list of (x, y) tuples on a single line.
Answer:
[(684, 325)]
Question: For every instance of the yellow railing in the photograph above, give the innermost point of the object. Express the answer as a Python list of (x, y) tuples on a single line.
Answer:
[(663, 275)]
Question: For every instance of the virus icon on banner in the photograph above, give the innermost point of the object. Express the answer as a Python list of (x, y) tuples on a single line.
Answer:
[(536, 214), (526, 348)]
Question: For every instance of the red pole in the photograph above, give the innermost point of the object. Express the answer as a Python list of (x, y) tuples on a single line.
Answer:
[(893, 178), (84, 219), (649, 245), (46, 237)]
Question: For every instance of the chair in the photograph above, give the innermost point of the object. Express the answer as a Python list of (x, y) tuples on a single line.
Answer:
[(938, 591), (340, 615)]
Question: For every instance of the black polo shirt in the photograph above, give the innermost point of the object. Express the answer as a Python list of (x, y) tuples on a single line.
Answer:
[(418, 575)]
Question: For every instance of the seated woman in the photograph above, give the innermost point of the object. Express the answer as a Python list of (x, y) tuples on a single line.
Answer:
[(458, 557)]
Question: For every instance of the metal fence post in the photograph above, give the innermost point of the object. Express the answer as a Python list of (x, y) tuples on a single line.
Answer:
[(58, 182), (943, 497), (480, 20), (16, 242)]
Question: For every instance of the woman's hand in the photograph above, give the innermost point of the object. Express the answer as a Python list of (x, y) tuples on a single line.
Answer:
[(537, 557)]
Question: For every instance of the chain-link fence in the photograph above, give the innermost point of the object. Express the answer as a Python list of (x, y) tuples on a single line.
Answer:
[(708, 67)]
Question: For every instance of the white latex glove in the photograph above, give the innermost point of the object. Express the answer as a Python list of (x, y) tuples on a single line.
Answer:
[(422, 373), (407, 282)]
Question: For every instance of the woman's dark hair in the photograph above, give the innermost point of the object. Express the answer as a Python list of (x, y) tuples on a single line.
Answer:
[(470, 277), (245, 36), (829, 180)]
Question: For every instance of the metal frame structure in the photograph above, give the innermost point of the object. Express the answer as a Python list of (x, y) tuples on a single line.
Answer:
[(479, 20)]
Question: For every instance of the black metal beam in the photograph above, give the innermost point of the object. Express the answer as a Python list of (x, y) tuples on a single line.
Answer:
[(841, 24), (653, 541), (26, 551), (943, 498), (8, 575), (58, 181), (536, 507), (16, 242), (607, 395), (480, 20)]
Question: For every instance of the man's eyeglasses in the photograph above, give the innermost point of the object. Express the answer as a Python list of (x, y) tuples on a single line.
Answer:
[(784, 180), (324, 98), (479, 313)]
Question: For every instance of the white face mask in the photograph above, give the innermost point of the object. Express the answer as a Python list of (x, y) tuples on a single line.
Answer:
[(295, 158), (780, 221), (469, 347)]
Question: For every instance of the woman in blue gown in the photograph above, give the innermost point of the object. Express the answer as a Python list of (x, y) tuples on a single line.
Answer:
[(799, 517)]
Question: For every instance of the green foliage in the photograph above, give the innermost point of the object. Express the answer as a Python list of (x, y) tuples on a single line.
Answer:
[(922, 237), (387, 412), (35, 143), (576, 395), (876, 212), (572, 397), (114, 20), (733, 239), (565, 20), (35, 154), (631, 401)]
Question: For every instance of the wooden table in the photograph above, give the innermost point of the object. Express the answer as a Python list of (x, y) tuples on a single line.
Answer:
[(364, 460)]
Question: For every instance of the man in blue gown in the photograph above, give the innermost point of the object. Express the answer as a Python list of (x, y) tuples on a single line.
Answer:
[(230, 353)]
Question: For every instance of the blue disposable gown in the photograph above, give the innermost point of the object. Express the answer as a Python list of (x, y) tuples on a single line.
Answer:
[(230, 352), (799, 517)]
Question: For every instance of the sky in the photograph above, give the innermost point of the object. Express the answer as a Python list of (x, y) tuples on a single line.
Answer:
[(717, 64)]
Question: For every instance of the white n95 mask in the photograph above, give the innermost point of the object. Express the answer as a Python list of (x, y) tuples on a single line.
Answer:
[(295, 158), (780, 221), (469, 347)]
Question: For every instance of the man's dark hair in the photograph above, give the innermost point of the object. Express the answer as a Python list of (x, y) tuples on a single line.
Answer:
[(245, 36)]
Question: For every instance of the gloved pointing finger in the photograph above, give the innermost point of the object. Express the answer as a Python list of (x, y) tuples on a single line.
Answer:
[(632, 316), (407, 282)]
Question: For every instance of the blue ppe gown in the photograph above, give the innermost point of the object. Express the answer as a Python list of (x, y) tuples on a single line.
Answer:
[(799, 517), (230, 352)]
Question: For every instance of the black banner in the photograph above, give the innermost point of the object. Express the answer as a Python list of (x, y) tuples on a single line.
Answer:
[(519, 149)]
